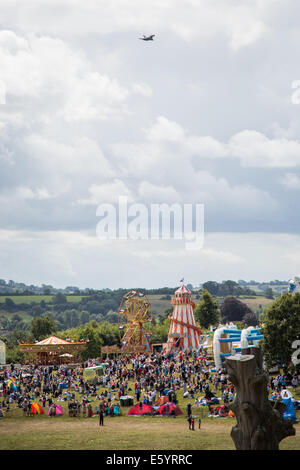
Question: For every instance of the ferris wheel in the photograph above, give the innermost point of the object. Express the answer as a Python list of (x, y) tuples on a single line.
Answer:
[(134, 313)]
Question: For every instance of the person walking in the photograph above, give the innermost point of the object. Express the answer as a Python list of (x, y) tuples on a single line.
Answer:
[(193, 424), (101, 417)]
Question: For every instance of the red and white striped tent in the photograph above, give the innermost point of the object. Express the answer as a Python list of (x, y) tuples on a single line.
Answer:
[(184, 335)]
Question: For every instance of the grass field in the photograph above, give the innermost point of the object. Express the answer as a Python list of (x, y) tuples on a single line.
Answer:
[(27, 299), (255, 302), (159, 306), (18, 432), (120, 433)]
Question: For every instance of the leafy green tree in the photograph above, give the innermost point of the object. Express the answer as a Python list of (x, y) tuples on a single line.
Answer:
[(229, 288), (68, 319), (13, 354), (84, 317), (9, 304), (233, 309), (212, 287), (207, 312), (97, 334), (16, 317), (159, 331), (15, 336), (93, 307), (109, 333), (59, 299), (250, 319), (269, 294), (112, 317), (281, 328), (36, 311), (94, 343), (74, 318), (41, 327)]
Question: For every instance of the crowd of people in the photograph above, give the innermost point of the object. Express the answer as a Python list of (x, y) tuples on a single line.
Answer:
[(145, 378)]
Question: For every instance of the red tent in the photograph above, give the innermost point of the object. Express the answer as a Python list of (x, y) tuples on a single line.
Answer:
[(169, 409), (145, 410), (36, 409)]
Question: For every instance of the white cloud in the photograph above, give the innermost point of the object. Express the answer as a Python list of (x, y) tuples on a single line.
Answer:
[(80, 157), (254, 149), (291, 181), (142, 89), (107, 193), (165, 130), (156, 194), (64, 258), (45, 68), (241, 24), (245, 200), (166, 156), (24, 192)]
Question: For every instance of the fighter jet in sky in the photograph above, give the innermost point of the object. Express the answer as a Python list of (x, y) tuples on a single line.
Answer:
[(147, 38)]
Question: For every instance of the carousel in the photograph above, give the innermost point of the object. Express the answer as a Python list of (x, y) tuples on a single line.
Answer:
[(52, 350)]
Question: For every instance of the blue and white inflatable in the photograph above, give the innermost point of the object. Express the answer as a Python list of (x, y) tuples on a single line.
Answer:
[(228, 340), (294, 285)]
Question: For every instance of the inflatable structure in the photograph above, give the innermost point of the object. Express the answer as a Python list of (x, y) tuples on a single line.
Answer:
[(294, 285), (228, 341)]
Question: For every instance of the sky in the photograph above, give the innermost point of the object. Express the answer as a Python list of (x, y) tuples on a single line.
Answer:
[(206, 113)]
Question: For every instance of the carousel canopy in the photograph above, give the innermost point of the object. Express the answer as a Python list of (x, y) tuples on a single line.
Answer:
[(52, 347), (52, 340)]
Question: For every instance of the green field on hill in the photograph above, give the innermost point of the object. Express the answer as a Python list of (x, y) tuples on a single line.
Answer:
[(28, 299)]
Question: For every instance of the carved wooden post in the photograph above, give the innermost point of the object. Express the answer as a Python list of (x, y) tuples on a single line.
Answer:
[(260, 426)]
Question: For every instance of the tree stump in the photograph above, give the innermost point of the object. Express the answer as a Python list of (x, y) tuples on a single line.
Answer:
[(260, 426)]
